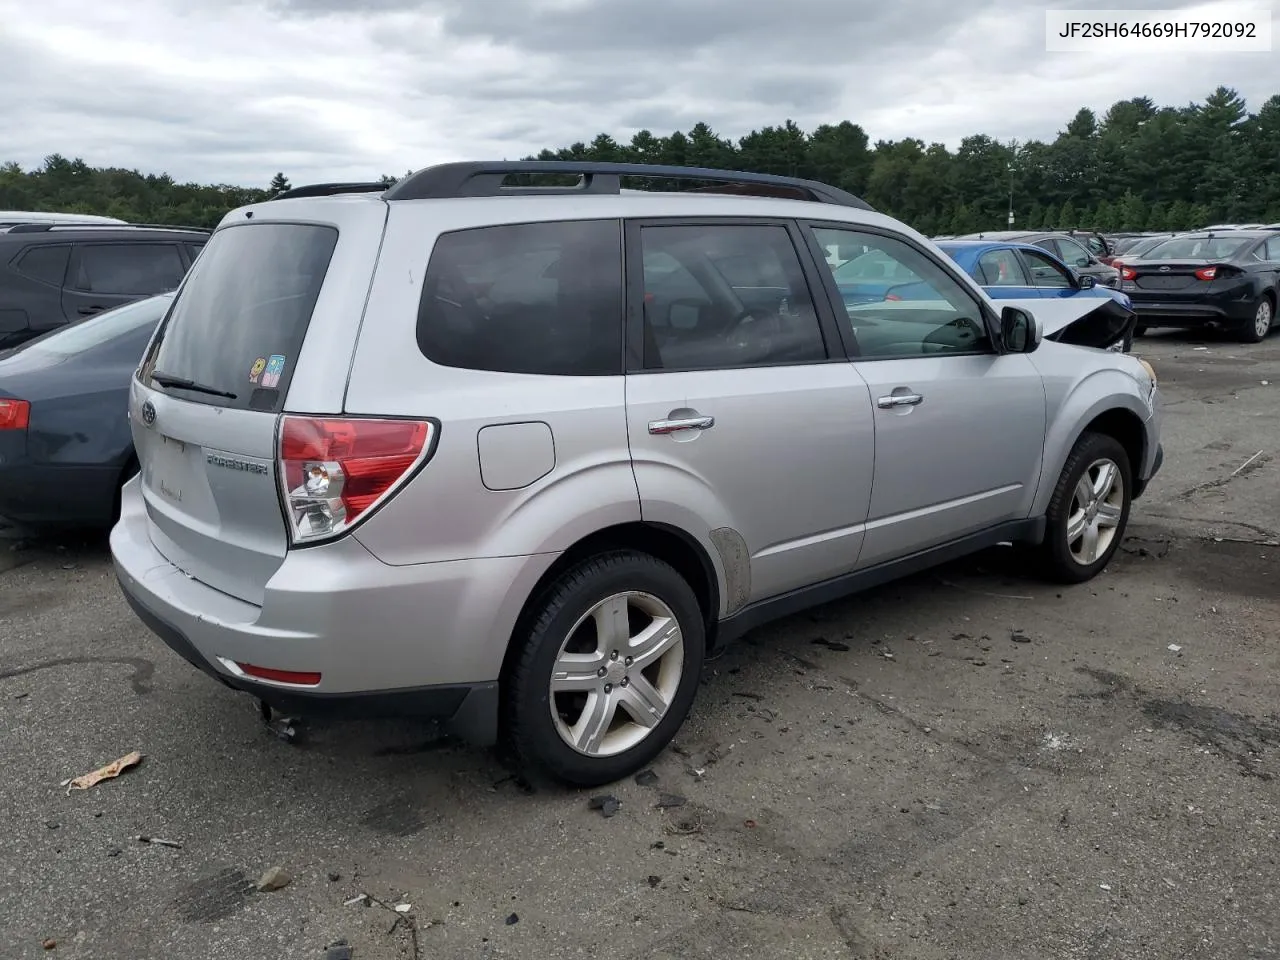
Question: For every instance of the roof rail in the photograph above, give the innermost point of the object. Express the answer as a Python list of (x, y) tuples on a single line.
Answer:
[(47, 227), (485, 179), (330, 190)]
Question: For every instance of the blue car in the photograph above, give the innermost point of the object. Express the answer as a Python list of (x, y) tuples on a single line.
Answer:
[(65, 444)]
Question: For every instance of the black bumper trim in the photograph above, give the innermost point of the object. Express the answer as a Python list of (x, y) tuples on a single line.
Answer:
[(468, 711), (1140, 487)]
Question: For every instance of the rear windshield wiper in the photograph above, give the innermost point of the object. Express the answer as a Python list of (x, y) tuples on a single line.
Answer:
[(169, 380)]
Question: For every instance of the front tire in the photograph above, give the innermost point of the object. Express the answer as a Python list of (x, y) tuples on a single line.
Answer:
[(1089, 510), (606, 671), (1255, 330)]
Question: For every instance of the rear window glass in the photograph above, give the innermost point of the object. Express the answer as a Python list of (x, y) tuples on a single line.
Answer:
[(46, 264), (107, 326), (240, 319), (1197, 248), (541, 298)]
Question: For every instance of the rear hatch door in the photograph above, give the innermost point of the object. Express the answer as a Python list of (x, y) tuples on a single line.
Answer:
[(256, 328)]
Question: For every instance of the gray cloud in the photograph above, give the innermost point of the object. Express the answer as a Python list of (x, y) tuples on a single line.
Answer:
[(218, 91)]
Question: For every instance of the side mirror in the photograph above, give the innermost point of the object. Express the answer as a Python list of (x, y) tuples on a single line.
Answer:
[(1088, 281), (1019, 330)]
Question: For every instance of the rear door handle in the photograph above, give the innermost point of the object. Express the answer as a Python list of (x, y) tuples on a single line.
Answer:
[(899, 400), (684, 423)]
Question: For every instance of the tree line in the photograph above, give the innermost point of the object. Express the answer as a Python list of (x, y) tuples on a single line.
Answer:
[(1137, 167)]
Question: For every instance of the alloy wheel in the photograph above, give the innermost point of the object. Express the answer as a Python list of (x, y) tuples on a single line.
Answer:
[(1097, 504), (1262, 318), (616, 674)]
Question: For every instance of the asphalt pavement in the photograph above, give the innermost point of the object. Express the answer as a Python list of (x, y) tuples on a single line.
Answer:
[(966, 764)]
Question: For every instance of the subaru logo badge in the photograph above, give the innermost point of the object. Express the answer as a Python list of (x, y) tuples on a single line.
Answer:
[(148, 413)]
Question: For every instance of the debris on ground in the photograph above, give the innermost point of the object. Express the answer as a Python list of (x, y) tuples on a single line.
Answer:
[(403, 907), (334, 877), (109, 772), (666, 801), (1017, 636), (358, 898), (159, 842), (513, 920), (654, 880), (49, 944), (836, 645), (606, 803), (277, 878), (646, 778), (340, 950), (287, 729)]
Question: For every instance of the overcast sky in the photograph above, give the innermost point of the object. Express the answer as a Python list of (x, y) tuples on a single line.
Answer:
[(230, 91)]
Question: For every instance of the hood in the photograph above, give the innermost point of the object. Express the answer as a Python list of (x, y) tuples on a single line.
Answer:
[(1083, 321)]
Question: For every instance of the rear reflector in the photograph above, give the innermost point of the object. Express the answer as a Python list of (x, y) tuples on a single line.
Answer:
[(333, 471), (14, 414), (297, 678)]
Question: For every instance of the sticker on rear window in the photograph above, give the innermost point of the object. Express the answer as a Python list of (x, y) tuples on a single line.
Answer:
[(271, 374), (256, 370)]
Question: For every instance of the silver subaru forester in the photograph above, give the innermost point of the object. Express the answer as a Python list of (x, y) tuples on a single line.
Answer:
[(518, 457)]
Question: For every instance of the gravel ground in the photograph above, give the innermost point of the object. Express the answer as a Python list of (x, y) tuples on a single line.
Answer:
[(968, 765)]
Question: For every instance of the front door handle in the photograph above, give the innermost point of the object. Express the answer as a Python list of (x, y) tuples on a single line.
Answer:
[(684, 423), (899, 400)]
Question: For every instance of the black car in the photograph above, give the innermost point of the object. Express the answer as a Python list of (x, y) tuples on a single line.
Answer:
[(52, 274), (1069, 250), (65, 444), (1229, 279)]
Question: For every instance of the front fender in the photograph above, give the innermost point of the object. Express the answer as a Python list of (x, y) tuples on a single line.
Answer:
[(1075, 401)]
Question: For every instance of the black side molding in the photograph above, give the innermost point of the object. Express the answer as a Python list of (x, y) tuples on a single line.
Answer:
[(805, 598)]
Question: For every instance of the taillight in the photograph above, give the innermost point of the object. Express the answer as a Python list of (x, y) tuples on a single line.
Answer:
[(1127, 273), (14, 414), (1206, 273), (333, 471)]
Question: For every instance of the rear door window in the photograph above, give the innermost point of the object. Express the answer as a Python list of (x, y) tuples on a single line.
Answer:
[(47, 264), (238, 324), (1045, 272), (1002, 268), (540, 298), (141, 269)]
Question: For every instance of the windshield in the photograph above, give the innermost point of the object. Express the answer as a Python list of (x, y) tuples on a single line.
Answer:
[(1197, 248), (104, 327)]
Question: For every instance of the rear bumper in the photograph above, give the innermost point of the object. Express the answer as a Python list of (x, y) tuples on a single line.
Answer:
[(1233, 306), (424, 640)]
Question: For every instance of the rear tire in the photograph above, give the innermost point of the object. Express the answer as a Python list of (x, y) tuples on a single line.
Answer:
[(1089, 510), (1255, 329), (606, 669)]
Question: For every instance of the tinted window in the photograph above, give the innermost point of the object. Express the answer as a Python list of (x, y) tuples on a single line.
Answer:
[(239, 322), (46, 264), (541, 298), (719, 296), (1002, 268), (1046, 272), (104, 327), (934, 315), (128, 268)]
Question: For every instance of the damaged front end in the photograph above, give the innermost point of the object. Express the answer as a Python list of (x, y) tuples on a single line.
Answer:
[(1103, 323)]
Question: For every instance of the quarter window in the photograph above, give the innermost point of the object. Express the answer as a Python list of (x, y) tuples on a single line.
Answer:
[(932, 314), (538, 298), (722, 296), (46, 264)]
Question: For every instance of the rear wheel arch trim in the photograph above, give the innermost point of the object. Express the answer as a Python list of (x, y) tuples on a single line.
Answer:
[(664, 541)]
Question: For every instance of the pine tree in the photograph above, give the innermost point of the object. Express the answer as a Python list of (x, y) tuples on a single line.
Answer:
[(279, 184)]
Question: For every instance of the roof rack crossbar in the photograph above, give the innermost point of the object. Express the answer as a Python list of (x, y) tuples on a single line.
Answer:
[(330, 189), (66, 225), (485, 179)]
